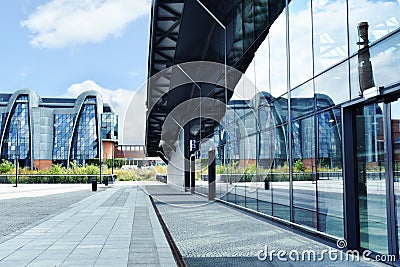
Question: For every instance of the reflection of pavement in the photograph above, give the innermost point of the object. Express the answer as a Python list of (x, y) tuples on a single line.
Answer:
[(113, 227), (214, 234)]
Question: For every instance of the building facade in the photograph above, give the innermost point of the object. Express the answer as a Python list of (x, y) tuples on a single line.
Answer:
[(315, 142), (42, 131)]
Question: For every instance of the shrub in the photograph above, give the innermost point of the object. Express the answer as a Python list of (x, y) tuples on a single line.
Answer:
[(118, 163), (6, 166), (299, 166)]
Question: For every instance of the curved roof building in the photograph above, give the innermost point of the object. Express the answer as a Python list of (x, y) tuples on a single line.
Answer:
[(42, 131)]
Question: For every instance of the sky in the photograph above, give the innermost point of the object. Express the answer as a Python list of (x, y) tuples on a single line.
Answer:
[(60, 48)]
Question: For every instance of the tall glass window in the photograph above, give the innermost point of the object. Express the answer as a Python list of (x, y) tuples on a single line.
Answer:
[(109, 126), (332, 87), (329, 173), (17, 136), (329, 33), (85, 141), (383, 17), (278, 57), (371, 178), (300, 42), (63, 126), (304, 168)]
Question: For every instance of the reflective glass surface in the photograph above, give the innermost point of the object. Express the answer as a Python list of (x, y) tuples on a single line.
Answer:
[(109, 126), (329, 173), (383, 17), (332, 87), (85, 141), (371, 178), (17, 134), (300, 42), (329, 39), (63, 126)]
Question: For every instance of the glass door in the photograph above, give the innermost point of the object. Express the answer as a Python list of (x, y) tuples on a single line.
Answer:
[(371, 177), (395, 160)]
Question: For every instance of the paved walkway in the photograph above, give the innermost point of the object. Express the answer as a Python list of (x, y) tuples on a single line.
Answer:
[(114, 227), (215, 234), (8, 191)]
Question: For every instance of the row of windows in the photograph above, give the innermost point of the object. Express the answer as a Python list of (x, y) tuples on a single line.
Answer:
[(303, 70), (85, 140)]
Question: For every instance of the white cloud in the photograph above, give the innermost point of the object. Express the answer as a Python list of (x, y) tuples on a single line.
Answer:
[(66, 23), (130, 132)]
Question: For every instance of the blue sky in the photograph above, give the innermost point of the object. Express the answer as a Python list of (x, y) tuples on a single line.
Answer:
[(114, 62), (63, 47)]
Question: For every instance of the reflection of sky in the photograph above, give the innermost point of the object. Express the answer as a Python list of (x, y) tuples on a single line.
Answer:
[(268, 68)]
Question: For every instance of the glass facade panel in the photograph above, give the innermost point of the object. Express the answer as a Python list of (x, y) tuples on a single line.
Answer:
[(304, 167), (329, 33), (16, 143), (302, 100), (278, 57), (63, 127), (329, 173), (85, 141), (300, 40), (332, 87), (109, 126), (371, 178), (395, 139), (383, 17)]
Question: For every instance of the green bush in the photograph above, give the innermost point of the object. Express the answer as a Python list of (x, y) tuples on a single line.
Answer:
[(118, 163), (299, 166), (6, 166)]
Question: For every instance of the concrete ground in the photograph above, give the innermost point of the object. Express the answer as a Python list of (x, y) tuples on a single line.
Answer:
[(113, 227), (215, 234)]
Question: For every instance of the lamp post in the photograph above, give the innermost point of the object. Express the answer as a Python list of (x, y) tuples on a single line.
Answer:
[(17, 152), (112, 162)]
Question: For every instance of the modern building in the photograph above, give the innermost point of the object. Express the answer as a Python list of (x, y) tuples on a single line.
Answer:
[(42, 131), (328, 71), (135, 156)]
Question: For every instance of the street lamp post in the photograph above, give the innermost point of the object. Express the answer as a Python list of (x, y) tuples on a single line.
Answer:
[(17, 154), (112, 161)]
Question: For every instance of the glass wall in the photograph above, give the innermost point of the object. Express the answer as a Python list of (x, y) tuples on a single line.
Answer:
[(85, 141), (16, 142), (371, 178), (109, 126), (279, 150), (63, 127)]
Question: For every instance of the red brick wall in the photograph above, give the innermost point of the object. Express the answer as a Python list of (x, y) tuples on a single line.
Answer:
[(108, 149), (42, 164)]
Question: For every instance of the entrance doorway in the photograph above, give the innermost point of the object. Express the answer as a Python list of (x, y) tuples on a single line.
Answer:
[(377, 173)]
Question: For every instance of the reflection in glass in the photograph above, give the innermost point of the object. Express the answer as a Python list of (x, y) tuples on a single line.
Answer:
[(63, 126), (371, 178), (278, 70), (85, 141), (18, 122), (329, 173), (384, 19), (329, 39), (302, 100), (304, 167), (332, 87), (300, 41), (395, 135)]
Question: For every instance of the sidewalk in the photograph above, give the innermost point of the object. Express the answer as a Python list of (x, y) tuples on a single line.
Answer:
[(114, 227), (215, 234)]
